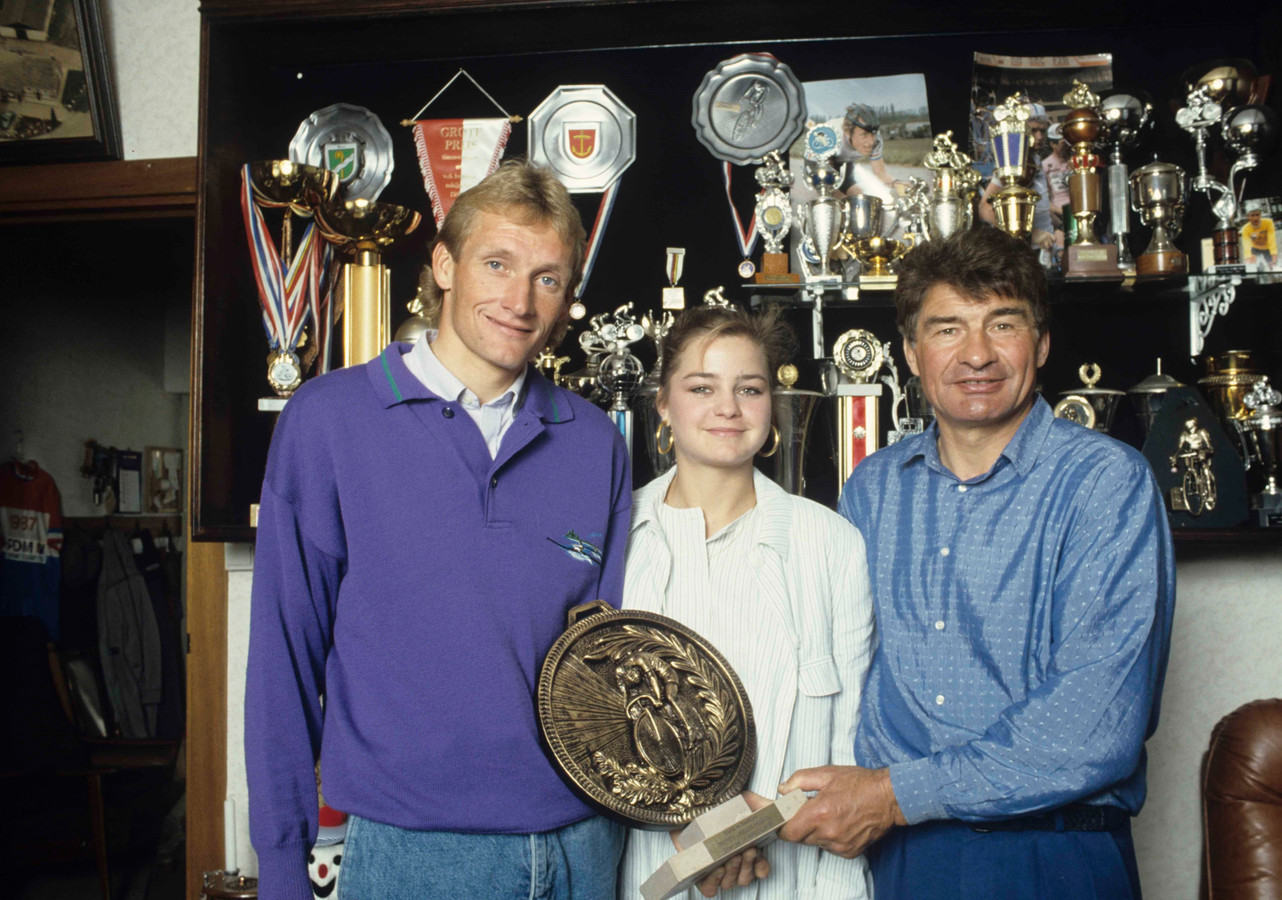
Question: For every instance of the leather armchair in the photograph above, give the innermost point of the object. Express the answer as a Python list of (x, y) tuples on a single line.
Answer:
[(1242, 804)]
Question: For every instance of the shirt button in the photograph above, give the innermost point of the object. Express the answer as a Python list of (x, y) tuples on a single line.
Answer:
[(447, 412), (944, 551), (939, 699), (961, 489), (939, 626), (494, 482)]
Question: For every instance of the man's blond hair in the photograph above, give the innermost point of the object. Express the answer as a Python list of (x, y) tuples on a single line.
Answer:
[(524, 192)]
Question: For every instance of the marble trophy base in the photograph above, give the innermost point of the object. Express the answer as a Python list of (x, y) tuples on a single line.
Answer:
[(878, 282), (1091, 261), (1164, 262), (774, 270), (717, 835)]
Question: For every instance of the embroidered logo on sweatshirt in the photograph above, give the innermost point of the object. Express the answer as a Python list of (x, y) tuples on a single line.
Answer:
[(578, 548)]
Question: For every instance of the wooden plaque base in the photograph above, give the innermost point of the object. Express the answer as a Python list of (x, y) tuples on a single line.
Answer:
[(774, 270), (1167, 262), (1092, 261)]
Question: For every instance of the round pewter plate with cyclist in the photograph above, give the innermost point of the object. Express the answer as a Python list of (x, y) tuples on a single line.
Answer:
[(747, 106), (644, 717)]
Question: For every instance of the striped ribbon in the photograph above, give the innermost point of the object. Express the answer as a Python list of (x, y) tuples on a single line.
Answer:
[(283, 296), (598, 231), (747, 238)]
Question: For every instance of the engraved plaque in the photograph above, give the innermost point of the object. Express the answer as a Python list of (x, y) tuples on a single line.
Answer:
[(646, 719)]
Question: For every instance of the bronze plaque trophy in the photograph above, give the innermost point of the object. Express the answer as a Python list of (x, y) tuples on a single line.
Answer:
[(1086, 257), (651, 724)]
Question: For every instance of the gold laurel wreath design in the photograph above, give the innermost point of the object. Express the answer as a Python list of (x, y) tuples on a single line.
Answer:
[(705, 763)]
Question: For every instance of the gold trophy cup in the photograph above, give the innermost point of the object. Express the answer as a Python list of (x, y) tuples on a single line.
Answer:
[(364, 228), (1013, 152)]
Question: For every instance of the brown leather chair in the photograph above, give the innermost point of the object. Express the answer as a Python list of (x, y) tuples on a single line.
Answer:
[(1242, 804)]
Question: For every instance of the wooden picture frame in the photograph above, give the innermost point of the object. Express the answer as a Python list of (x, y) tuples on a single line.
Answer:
[(56, 97)]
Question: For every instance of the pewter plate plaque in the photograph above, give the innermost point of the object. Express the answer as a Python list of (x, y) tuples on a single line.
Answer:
[(349, 141), (747, 106), (644, 717), (585, 135)]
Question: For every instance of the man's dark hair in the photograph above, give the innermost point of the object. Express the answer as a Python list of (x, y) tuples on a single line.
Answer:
[(979, 263)]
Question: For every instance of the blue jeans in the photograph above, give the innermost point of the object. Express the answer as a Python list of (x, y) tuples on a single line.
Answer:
[(576, 862)]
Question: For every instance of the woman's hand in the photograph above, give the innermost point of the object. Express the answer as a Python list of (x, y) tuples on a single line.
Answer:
[(739, 869)]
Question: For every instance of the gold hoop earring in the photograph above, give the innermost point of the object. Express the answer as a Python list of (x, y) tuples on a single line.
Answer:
[(658, 438), (774, 448)]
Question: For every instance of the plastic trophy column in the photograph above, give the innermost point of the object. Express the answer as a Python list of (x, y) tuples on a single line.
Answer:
[(1012, 149), (858, 356), (364, 228), (1086, 257)]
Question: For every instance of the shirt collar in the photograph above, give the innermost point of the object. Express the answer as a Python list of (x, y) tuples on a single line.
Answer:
[(394, 383), (425, 365), (774, 508), (1021, 451)]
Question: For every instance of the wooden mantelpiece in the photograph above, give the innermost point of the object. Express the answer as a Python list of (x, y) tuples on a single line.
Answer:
[(93, 190)]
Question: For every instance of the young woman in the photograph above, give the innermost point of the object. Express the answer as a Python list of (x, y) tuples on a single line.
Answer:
[(778, 584)]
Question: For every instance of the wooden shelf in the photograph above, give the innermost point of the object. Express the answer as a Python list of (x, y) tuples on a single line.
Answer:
[(93, 190)]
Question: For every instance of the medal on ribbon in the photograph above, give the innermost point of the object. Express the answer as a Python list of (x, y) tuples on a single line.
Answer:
[(456, 154), (296, 286)]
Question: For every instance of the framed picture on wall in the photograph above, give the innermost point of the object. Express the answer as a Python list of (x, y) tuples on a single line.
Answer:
[(56, 98)]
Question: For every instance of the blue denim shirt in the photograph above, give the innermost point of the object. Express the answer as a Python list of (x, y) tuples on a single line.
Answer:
[(1024, 619)]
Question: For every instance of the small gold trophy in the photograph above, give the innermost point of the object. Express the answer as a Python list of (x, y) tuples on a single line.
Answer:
[(1086, 257), (364, 228), (1013, 153)]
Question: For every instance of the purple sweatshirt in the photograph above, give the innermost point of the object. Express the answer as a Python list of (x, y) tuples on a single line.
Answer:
[(417, 585)]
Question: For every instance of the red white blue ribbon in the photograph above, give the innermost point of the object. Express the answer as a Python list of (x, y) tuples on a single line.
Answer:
[(284, 296), (747, 238), (598, 232)]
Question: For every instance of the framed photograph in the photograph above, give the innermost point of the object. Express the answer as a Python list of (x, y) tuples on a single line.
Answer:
[(56, 98), (162, 480)]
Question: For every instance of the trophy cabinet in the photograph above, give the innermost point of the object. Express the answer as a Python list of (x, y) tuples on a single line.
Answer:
[(268, 66)]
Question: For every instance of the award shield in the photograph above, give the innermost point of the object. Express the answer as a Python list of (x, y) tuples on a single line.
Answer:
[(584, 134), (649, 723)]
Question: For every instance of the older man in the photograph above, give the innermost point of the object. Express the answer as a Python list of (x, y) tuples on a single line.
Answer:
[(1023, 582), (411, 571)]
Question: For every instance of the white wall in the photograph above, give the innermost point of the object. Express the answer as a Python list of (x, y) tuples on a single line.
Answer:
[(154, 52)]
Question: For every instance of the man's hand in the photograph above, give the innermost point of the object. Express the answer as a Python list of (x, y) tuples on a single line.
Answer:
[(852, 809)]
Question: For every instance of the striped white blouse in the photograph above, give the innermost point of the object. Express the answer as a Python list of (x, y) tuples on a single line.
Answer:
[(783, 594)]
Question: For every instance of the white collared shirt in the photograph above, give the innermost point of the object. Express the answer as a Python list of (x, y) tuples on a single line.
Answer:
[(493, 418)]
